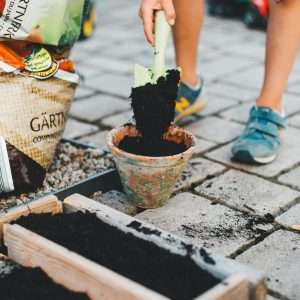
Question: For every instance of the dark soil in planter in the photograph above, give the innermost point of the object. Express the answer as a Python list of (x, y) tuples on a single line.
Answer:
[(174, 276), (33, 284), (140, 146)]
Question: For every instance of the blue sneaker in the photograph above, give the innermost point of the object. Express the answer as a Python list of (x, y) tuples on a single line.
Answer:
[(260, 142), (189, 101)]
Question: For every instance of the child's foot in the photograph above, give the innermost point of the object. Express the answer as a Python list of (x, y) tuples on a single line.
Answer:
[(189, 101), (260, 142)]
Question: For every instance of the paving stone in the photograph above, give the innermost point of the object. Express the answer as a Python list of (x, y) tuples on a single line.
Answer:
[(232, 92), (249, 193), (278, 256), (213, 226), (216, 104), (292, 178), (113, 84), (118, 119), (96, 140), (225, 65), (288, 157), (113, 65), (252, 77), (291, 218), (75, 129), (239, 113), (295, 121), (97, 107), (203, 145), (215, 129), (116, 200), (250, 49), (82, 92), (197, 170)]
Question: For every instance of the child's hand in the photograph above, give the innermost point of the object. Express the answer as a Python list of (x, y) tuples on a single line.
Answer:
[(147, 10)]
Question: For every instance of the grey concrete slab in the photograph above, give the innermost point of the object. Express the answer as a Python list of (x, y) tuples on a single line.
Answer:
[(291, 218), (97, 139), (203, 145), (196, 219), (291, 178), (216, 104), (75, 129), (230, 91), (116, 200), (249, 193), (278, 256), (113, 84), (252, 77), (108, 64), (215, 129), (117, 119), (288, 156), (97, 107), (82, 92), (295, 121), (224, 66), (197, 170)]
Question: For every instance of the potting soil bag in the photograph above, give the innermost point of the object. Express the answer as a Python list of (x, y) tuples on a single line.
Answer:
[(36, 92), (52, 22)]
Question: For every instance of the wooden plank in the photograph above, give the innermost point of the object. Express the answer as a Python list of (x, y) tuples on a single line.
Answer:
[(48, 204), (235, 288), (70, 269)]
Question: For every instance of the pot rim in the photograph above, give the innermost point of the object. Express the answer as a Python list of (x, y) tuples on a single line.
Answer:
[(116, 150)]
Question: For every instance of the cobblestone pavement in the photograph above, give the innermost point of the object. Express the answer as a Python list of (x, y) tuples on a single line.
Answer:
[(216, 200)]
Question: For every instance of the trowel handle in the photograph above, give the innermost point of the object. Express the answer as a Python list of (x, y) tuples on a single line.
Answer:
[(162, 30)]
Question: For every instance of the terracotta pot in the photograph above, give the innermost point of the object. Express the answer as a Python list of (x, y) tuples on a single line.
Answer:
[(150, 181)]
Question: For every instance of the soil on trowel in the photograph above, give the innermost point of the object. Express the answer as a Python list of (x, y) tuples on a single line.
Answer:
[(172, 275), (154, 148), (33, 284), (154, 105)]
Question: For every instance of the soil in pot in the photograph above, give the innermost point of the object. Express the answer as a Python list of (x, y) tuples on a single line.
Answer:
[(174, 276), (154, 110), (33, 284), (160, 147)]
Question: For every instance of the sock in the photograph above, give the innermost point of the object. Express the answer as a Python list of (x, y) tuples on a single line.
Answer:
[(195, 87)]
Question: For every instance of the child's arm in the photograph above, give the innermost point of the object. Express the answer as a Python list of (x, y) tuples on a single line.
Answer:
[(147, 10)]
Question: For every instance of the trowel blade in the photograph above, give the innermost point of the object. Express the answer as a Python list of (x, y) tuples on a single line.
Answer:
[(142, 75)]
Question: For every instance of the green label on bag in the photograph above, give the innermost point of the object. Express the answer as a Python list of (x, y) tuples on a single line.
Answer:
[(39, 64), (39, 60)]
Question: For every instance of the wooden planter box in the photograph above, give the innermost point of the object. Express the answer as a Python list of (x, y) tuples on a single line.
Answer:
[(82, 275)]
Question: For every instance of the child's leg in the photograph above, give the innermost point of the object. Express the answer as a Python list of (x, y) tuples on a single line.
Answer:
[(261, 140), (186, 36), (283, 43)]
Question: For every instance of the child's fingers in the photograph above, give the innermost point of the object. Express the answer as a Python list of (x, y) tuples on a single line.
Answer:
[(169, 9), (147, 16)]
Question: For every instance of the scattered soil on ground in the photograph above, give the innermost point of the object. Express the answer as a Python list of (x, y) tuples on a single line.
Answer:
[(140, 146), (174, 276), (34, 284)]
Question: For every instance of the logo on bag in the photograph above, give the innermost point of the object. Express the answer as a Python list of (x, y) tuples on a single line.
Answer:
[(40, 64)]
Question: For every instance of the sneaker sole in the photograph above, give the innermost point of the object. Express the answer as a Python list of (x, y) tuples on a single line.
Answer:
[(245, 157), (198, 106)]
